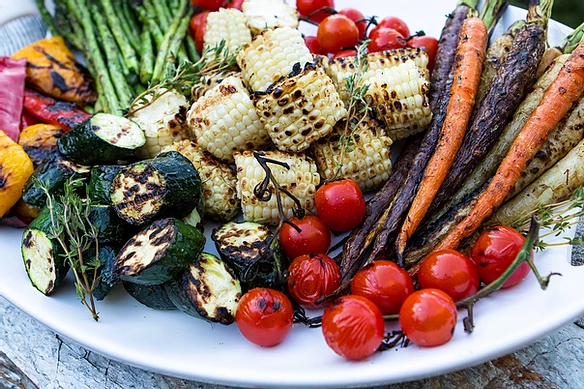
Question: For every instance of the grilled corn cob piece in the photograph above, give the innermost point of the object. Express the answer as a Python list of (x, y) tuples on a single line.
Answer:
[(271, 55), (163, 122), (225, 120), (227, 25), (208, 82), (300, 109), (364, 156), (262, 14), (301, 180), (219, 181)]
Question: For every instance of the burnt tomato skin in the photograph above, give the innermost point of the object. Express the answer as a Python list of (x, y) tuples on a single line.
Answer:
[(311, 277)]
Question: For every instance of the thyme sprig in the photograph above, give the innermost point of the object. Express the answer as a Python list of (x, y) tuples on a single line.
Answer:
[(72, 229), (182, 78)]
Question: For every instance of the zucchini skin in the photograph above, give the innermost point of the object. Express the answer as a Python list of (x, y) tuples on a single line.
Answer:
[(110, 228), (53, 172), (176, 244), (180, 192), (100, 183), (107, 278), (153, 296)]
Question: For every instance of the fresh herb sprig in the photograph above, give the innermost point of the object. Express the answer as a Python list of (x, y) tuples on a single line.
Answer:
[(73, 230)]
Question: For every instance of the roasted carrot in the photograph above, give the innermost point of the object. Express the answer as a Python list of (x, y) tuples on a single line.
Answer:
[(556, 102), (467, 74)]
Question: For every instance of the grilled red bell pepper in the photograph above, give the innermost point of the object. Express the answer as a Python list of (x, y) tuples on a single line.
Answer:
[(12, 76), (49, 110)]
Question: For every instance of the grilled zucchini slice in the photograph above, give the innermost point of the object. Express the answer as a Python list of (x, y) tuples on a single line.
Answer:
[(106, 277), (159, 252), (153, 296), (166, 185), (100, 183), (246, 244), (110, 228), (207, 289), (194, 219), (102, 138), (42, 255)]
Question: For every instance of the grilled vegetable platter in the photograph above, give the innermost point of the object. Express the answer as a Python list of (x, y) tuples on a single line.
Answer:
[(273, 166)]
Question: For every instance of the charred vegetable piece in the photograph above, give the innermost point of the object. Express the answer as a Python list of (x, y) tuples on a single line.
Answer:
[(102, 138), (159, 253), (207, 289), (49, 110), (165, 185), (194, 219), (245, 248), (153, 296), (53, 172), (110, 228), (52, 69), (42, 255), (40, 140), (107, 279), (12, 76), (100, 183), (15, 169)]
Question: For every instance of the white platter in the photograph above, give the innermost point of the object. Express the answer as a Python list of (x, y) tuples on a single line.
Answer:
[(176, 344)]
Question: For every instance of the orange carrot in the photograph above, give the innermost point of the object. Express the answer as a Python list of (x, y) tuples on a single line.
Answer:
[(557, 100), (467, 72)]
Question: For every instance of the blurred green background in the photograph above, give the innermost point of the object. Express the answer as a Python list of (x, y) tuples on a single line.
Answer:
[(570, 12)]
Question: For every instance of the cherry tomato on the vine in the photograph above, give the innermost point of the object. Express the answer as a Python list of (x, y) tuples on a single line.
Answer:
[(197, 25), (311, 277), (345, 53), (494, 251), (313, 45), (395, 23), (353, 327), (236, 4), (264, 316), (451, 272), (428, 317), (358, 18), (315, 237), (309, 7), (340, 204), (431, 45), (337, 32), (384, 38), (208, 5), (384, 283)]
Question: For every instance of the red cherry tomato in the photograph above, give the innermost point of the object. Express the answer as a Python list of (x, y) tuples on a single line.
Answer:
[(345, 53), (385, 38), (337, 32), (312, 277), (340, 204), (384, 283), (313, 45), (264, 316), (494, 251), (395, 23), (315, 237), (451, 272), (309, 7), (236, 4), (209, 5), (358, 18), (198, 24), (431, 45), (428, 317), (353, 327)]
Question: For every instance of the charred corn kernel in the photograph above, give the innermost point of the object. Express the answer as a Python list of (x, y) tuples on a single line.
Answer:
[(301, 180), (15, 170), (271, 55), (219, 180), (208, 82), (300, 109), (225, 120), (227, 25), (262, 14), (163, 122), (363, 156)]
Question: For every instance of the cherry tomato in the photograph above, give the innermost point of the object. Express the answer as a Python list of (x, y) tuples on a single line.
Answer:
[(313, 45), (345, 53), (209, 5), (358, 18), (384, 283), (309, 7), (236, 4), (494, 251), (198, 24), (337, 32), (315, 237), (311, 277), (264, 316), (353, 327), (395, 23), (451, 272), (431, 45), (385, 38), (340, 204), (428, 317)]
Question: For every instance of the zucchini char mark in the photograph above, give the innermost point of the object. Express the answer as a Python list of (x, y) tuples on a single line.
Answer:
[(166, 185), (207, 289), (159, 252)]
